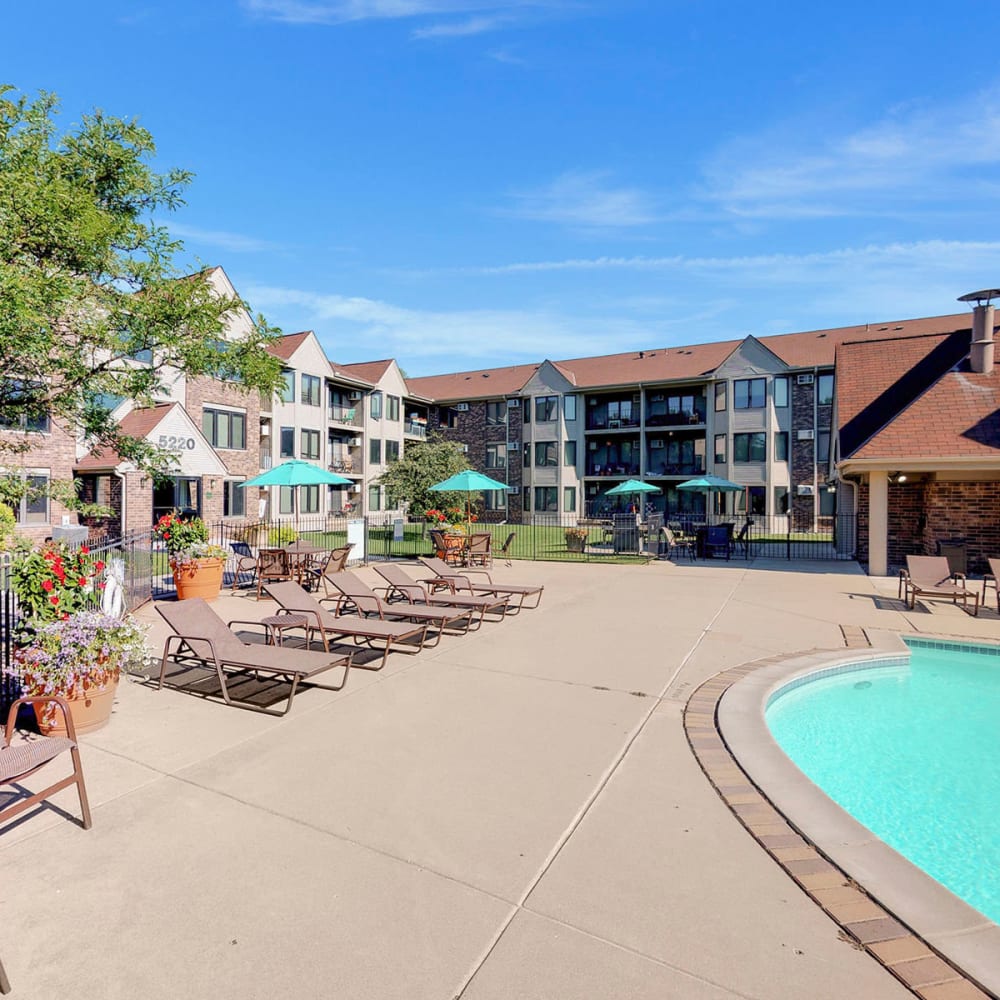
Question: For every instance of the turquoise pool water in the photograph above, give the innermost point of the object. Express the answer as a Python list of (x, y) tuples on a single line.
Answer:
[(912, 751)]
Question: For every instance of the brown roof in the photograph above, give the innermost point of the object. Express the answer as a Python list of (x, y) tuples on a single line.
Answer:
[(657, 365), (479, 384), (370, 371), (288, 345), (135, 424)]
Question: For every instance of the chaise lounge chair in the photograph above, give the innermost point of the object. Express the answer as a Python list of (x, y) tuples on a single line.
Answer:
[(470, 581), (929, 576), (991, 578), (357, 596), (403, 587), (293, 599), (204, 641)]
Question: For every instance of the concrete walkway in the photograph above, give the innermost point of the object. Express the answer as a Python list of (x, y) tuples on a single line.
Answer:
[(514, 814)]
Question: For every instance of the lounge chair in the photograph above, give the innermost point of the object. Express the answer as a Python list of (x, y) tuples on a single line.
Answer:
[(246, 562), (335, 563), (357, 596), (471, 581), (991, 578), (403, 587), (292, 598), (929, 576), (203, 640), (21, 759)]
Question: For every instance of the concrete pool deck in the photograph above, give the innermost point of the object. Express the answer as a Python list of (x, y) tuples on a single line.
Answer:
[(514, 814)]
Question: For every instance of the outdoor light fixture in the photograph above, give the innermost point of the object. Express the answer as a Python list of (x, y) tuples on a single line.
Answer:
[(897, 477)]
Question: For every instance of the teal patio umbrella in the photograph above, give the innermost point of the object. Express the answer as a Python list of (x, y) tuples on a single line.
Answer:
[(711, 484), (633, 486), (469, 481), (296, 473)]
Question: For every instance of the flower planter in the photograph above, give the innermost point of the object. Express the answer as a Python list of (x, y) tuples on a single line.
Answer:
[(200, 578), (90, 711), (575, 543)]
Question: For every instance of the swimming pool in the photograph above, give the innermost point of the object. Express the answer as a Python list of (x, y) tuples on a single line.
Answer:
[(910, 747)]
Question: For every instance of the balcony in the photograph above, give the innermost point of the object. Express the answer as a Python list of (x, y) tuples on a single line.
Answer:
[(685, 469), (347, 416), (265, 459), (681, 418), (601, 422), (415, 428), (613, 469)]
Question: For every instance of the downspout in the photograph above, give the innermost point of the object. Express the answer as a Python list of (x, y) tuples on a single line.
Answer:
[(120, 476)]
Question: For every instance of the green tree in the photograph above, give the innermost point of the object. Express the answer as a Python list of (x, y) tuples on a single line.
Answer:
[(89, 290), (423, 464)]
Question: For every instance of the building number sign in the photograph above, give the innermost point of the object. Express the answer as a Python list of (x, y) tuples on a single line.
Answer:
[(173, 442)]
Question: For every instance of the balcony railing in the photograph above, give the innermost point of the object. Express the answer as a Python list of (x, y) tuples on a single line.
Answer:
[(657, 468), (683, 418), (265, 459), (598, 422), (613, 469), (349, 415), (414, 429), (346, 465)]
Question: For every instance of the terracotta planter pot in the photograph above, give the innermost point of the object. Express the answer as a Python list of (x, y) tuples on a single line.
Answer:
[(201, 578), (93, 711), (575, 544)]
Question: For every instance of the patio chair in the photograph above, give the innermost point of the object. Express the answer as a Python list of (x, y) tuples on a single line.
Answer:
[(272, 565), (679, 544), (336, 562), (991, 578), (930, 576), (718, 538), (357, 596), (450, 549), (292, 598), (403, 587), (21, 759), (470, 581), (479, 552), (204, 641), (246, 562)]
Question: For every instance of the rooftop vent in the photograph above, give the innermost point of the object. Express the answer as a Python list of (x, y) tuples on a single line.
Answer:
[(982, 347)]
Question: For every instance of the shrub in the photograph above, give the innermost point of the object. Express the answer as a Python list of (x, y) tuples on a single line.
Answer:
[(281, 535)]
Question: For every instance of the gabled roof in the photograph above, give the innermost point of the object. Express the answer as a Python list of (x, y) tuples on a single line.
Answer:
[(288, 344), (135, 424), (370, 371), (916, 398), (484, 383)]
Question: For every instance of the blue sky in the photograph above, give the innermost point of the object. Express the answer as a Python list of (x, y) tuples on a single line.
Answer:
[(463, 183)]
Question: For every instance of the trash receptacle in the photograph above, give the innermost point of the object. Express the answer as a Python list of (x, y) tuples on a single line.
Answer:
[(955, 550)]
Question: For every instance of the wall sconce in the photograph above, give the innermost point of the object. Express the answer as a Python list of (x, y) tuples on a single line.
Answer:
[(212, 482), (897, 477)]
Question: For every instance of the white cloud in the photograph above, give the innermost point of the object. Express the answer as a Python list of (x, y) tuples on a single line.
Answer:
[(234, 242), (585, 199), (461, 29)]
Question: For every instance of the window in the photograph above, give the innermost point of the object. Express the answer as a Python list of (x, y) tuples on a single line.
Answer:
[(375, 452), (308, 499), (569, 453), (569, 499), (496, 413), (546, 409), (392, 407), (495, 499), (781, 446), (374, 498), (391, 451), (496, 456), (720, 447), (749, 393), (720, 397), (375, 406), (288, 442), (781, 390), (525, 500), (28, 418), (33, 507), (447, 417), (822, 446), (527, 455), (546, 453), (780, 499), (286, 499), (546, 499), (569, 407), (827, 501), (287, 391), (234, 502), (224, 428), (526, 417), (750, 447), (757, 496), (824, 390), (309, 442), (309, 390)]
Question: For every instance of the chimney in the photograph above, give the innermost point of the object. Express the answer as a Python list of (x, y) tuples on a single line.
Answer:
[(982, 347)]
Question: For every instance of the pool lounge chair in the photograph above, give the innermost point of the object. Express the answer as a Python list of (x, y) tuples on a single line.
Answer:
[(403, 587), (929, 576), (357, 596), (472, 581), (203, 640), (336, 562), (991, 579), (369, 631)]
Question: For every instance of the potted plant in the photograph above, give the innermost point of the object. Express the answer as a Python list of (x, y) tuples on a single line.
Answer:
[(79, 657), (576, 539), (196, 562), (53, 581)]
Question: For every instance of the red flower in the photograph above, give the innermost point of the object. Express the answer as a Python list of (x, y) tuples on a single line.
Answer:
[(101, 586), (82, 581), (84, 550), (166, 534), (53, 600), (47, 585), (98, 566)]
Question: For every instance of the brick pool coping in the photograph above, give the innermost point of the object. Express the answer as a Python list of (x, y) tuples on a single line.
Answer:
[(865, 922)]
